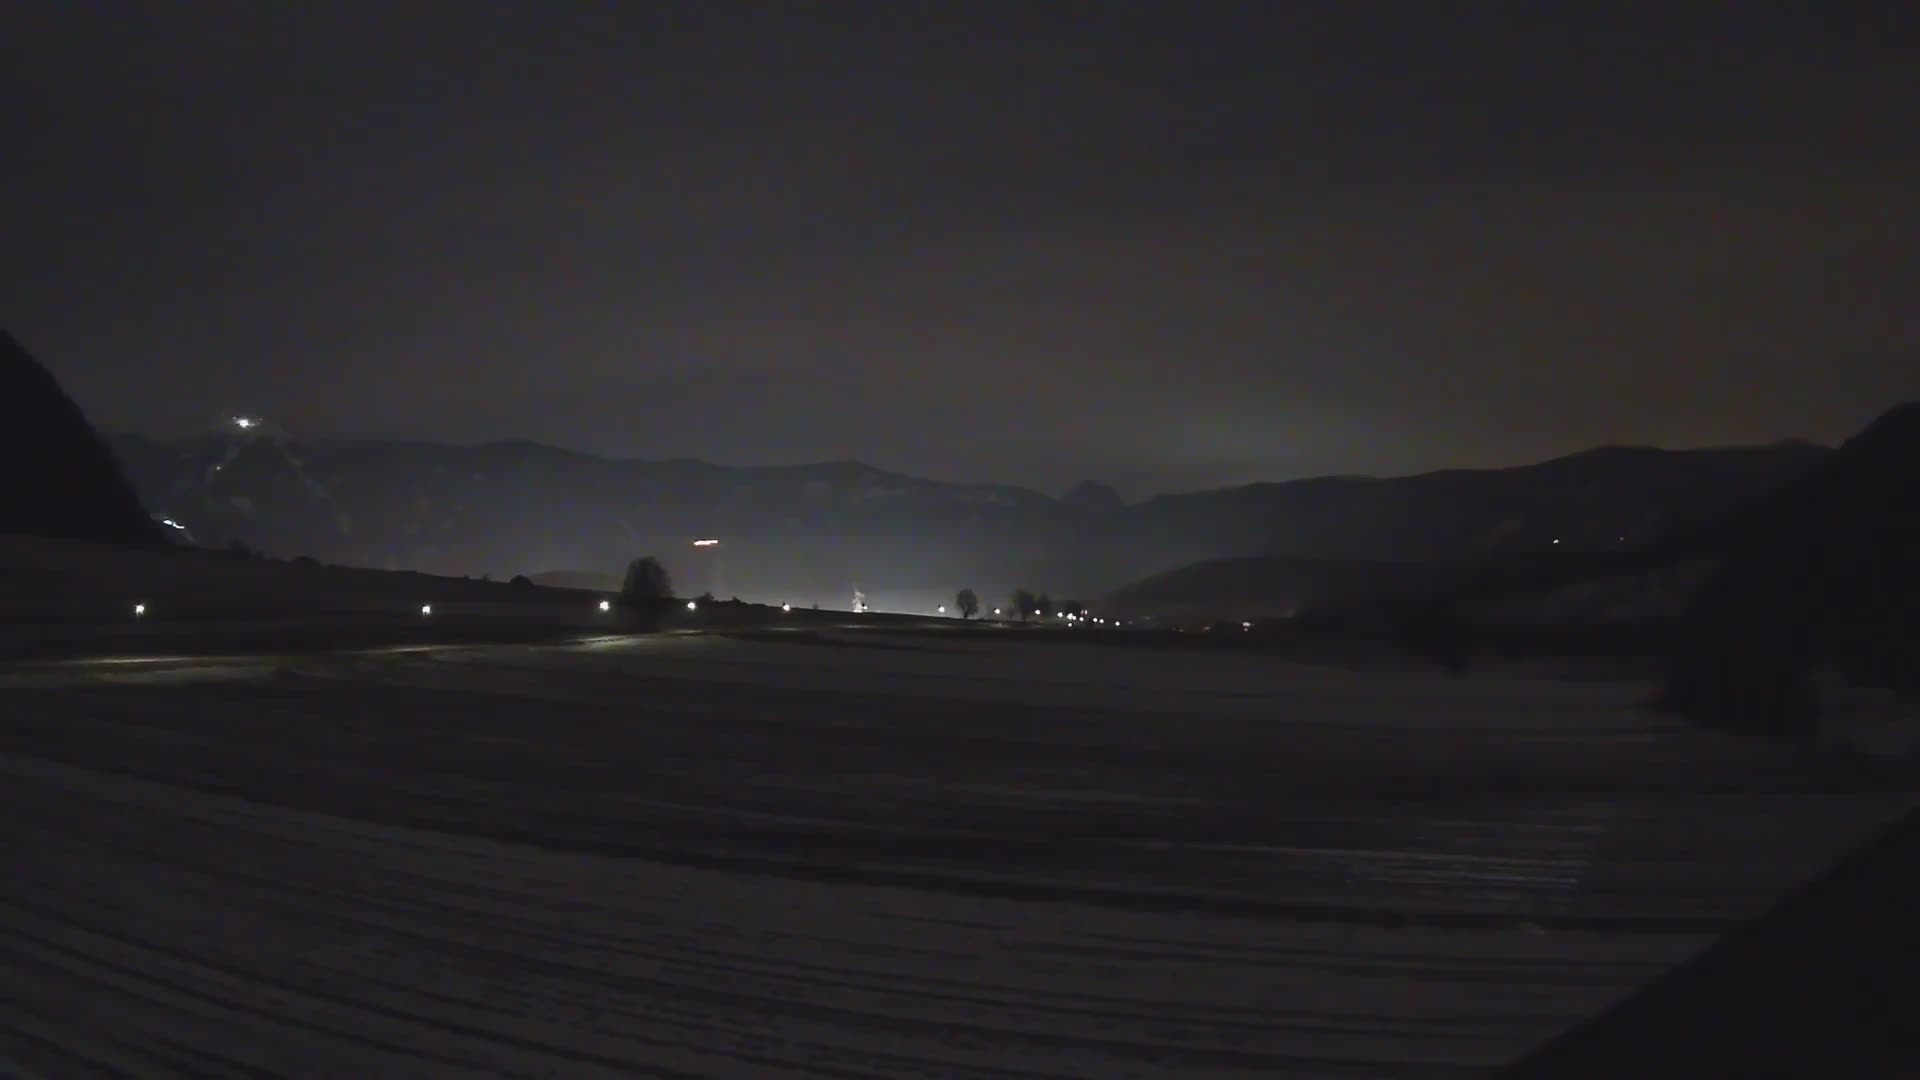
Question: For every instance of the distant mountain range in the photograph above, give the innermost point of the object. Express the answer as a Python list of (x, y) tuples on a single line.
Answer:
[(812, 533)]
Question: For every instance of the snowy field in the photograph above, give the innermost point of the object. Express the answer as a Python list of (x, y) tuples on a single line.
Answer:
[(861, 855)]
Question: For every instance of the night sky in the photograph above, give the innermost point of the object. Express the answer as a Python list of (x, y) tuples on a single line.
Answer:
[(1162, 245)]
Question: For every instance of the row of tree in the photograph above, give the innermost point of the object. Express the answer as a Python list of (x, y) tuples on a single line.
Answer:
[(1025, 602)]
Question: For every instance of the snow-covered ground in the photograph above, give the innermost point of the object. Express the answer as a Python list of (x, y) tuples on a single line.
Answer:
[(861, 854)]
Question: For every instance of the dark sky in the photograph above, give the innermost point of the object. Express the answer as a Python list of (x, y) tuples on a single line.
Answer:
[(1163, 245)]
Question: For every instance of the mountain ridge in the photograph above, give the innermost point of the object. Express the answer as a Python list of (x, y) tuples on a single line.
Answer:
[(808, 532), (1790, 444)]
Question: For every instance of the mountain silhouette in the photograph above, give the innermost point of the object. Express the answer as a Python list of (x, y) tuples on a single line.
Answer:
[(809, 531), (1824, 572), (61, 480)]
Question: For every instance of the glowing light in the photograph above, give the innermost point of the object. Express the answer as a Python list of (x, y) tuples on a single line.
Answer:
[(705, 543), (171, 524), (1246, 626), (942, 609), (139, 610), (1556, 539), (425, 610), (786, 607), (606, 605), (691, 606), (244, 422), (996, 611)]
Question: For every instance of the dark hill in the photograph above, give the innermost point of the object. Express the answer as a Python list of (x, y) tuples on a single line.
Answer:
[(1273, 587), (62, 481), (1461, 538), (1824, 572)]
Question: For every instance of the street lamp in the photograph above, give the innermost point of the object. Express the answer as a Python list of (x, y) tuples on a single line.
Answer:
[(606, 605), (426, 610)]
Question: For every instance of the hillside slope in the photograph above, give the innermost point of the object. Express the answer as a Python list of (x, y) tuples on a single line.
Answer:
[(1824, 572), (61, 481), (1272, 587)]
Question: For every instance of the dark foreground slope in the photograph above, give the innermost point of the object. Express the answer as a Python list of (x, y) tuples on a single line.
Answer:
[(1823, 986), (1823, 573), (61, 481)]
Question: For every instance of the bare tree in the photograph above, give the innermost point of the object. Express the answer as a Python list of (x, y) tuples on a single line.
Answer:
[(968, 603)]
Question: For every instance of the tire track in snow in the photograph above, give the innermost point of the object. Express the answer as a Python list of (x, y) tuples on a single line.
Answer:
[(375, 864)]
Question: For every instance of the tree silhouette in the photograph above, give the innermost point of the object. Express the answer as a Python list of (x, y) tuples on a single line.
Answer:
[(1024, 603), (968, 603), (647, 581)]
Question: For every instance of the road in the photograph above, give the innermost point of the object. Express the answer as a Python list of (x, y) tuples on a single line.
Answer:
[(859, 854)]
